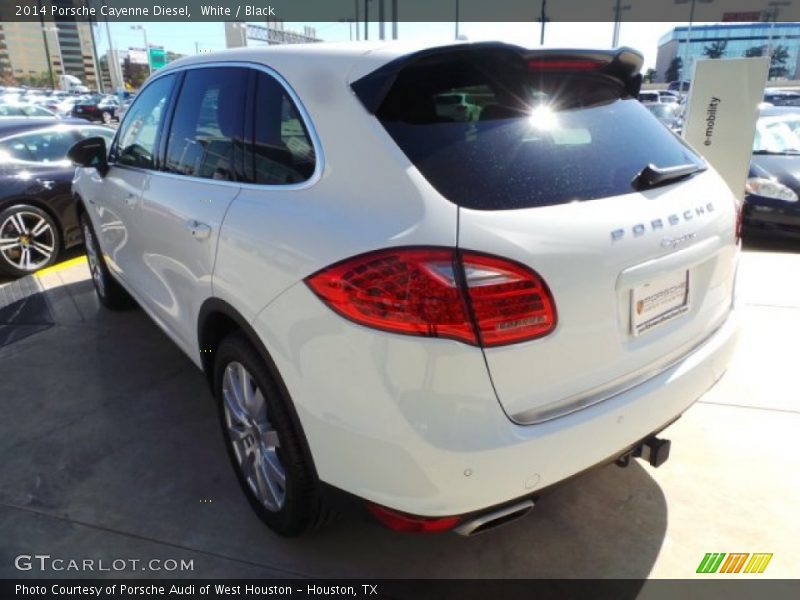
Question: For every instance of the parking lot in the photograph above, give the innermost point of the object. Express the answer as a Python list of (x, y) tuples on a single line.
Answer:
[(111, 449)]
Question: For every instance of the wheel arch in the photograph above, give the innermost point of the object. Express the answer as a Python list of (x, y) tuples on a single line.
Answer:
[(218, 319)]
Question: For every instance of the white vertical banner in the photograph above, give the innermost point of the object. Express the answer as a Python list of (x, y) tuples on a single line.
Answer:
[(721, 114)]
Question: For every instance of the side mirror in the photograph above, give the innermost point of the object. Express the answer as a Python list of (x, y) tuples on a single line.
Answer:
[(90, 152)]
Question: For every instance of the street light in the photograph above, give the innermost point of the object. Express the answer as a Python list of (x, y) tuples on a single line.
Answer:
[(55, 30), (772, 13), (146, 46), (543, 20), (617, 22), (350, 25), (688, 37)]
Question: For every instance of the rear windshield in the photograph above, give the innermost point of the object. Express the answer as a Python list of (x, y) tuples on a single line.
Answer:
[(536, 139)]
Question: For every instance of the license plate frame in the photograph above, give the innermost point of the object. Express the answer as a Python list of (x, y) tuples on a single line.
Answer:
[(659, 301)]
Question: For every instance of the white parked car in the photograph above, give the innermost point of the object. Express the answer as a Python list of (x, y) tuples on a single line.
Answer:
[(438, 317)]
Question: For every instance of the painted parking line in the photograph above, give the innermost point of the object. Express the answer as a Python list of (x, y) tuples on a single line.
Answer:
[(80, 260)]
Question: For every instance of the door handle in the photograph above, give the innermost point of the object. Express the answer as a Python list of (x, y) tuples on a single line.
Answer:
[(200, 231), (130, 199)]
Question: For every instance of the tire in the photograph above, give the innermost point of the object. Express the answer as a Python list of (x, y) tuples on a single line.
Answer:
[(30, 239), (110, 293), (265, 435)]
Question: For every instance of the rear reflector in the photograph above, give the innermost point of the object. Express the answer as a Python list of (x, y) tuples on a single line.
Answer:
[(565, 64), (410, 524), (436, 292)]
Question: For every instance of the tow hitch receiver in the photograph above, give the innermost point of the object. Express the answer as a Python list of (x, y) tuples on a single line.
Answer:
[(654, 450)]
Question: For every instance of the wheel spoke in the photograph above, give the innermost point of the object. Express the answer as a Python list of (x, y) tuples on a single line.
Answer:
[(8, 243), (25, 259), (246, 388), (267, 484), (18, 223), (275, 469), (44, 249), (40, 227), (232, 398)]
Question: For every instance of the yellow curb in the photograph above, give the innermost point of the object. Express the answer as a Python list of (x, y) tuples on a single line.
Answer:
[(80, 260)]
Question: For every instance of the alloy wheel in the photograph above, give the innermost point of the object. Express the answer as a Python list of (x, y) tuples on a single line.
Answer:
[(27, 240), (254, 439)]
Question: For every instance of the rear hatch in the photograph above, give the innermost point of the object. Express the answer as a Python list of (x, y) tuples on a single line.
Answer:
[(565, 172)]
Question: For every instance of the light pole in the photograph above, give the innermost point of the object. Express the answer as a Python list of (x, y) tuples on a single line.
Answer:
[(350, 25), (458, 6), (618, 22), (53, 29), (543, 18), (773, 16), (685, 69), (146, 46)]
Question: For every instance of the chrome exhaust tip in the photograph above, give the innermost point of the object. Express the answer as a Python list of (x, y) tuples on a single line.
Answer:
[(493, 519)]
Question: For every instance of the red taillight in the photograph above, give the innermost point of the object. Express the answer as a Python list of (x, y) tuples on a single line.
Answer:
[(409, 524), (471, 297), (510, 302), (565, 64)]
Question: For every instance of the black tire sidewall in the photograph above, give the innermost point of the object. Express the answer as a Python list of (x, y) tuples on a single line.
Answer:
[(301, 506), (9, 269)]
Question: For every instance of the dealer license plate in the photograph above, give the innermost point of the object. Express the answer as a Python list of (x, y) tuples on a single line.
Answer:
[(659, 301)]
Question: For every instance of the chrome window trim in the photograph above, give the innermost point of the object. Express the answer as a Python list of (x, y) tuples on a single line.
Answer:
[(319, 155)]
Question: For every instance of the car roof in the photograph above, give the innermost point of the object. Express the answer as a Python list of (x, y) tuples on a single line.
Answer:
[(13, 125), (356, 59)]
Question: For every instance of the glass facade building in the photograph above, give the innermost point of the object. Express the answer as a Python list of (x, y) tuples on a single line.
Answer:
[(734, 40)]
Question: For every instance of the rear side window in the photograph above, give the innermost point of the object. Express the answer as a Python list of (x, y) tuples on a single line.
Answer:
[(282, 151), (206, 136), (136, 142), (530, 138), (41, 146)]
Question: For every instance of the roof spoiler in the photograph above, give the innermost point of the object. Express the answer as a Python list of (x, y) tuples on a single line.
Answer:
[(621, 63)]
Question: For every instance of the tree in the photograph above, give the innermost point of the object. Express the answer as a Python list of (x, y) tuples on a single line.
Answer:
[(777, 65), (674, 70), (716, 50), (649, 76), (754, 52)]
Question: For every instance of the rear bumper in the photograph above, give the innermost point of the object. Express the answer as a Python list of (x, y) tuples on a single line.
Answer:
[(415, 426)]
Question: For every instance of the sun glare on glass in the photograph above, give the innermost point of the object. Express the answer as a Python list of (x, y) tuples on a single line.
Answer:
[(543, 117)]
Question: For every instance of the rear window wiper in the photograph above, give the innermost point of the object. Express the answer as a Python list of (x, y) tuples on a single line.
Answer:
[(652, 176), (789, 152)]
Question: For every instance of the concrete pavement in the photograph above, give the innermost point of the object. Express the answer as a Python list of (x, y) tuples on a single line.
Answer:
[(111, 449)]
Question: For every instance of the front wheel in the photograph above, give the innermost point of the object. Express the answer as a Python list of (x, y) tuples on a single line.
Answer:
[(29, 240), (110, 293), (263, 442)]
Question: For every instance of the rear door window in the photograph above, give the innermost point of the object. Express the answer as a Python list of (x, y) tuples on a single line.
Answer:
[(532, 138)]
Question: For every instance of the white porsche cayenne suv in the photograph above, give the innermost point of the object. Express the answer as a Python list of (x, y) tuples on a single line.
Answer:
[(438, 316)]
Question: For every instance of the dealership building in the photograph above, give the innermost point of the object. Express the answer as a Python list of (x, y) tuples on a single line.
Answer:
[(735, 40)]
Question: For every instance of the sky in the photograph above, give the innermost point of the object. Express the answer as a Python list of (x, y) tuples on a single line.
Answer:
[(186, 38)]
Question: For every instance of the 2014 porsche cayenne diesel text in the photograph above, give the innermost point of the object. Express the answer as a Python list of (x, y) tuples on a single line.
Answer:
[(438, 314)]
